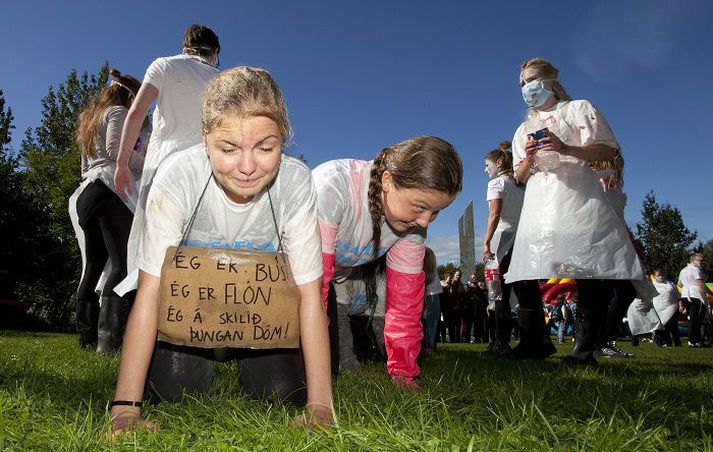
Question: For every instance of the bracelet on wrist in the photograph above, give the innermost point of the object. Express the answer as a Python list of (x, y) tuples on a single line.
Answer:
[(129, 403)]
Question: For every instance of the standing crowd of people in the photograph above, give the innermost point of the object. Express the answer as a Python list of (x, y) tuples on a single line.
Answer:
[(210, 172)]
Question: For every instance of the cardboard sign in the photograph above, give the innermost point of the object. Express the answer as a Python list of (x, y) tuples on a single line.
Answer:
[(228, 298)]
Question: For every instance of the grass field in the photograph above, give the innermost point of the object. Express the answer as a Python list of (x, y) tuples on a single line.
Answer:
[(53, 396)]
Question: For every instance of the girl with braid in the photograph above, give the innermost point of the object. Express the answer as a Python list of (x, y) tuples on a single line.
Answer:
[(368, 209)]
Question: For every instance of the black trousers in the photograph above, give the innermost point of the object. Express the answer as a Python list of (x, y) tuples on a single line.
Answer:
[(594, 296), (503, 313), (669, 335), (106, 223), (623, 293), (696, 312), (269, 375)]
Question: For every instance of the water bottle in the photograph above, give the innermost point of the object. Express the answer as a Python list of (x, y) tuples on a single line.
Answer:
[(493, 283)]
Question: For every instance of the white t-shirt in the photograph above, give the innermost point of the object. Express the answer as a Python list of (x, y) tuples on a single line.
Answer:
[(180, 81), (221, 223), (687, 278), (504, 187), (345, 223), (575, 122)]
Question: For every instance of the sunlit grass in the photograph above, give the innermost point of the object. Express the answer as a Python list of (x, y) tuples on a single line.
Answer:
[(53, 396)]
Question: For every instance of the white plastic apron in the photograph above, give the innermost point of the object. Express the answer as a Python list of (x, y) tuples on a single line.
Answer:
[(666, 303), (106, 175), (568, 228), (157, 152), (642, 317)]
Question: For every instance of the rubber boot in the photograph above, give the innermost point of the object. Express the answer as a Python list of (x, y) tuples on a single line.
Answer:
[(112, 322), (588, 323), (87, 322), (534, 342)]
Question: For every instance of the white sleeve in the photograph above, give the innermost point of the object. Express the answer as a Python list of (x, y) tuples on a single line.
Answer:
[(496, 189), (302, 241), (162, 228), (594, 128), (518, 146), (331, 190), (154, 73)]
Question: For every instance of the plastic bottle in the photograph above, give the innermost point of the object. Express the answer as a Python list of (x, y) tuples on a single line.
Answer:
[(493, 283)]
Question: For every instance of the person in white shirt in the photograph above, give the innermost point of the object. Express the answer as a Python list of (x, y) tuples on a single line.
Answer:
[(101, 220), (504, 197), (241, 171), (176, 84), (666, 305), (693, 293)]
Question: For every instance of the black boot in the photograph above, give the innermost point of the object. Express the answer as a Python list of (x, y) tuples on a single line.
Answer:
[(534, 342), (87, 322), (112, 323), (586, 333)]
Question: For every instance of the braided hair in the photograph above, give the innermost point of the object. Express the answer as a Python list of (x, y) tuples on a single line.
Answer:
[(424, 162)]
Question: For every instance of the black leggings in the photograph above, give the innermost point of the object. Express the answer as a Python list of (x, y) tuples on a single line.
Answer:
[(270, 375), (106, 223)]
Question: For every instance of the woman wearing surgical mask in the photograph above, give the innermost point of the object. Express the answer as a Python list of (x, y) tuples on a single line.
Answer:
[(504, 198), (568, 228)]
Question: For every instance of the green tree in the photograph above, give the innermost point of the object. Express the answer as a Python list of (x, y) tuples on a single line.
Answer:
[(450, 267), (707, 250), (663, 236), (51, 173)]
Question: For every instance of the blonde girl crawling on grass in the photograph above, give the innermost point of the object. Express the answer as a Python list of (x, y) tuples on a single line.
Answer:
[(244, 128)]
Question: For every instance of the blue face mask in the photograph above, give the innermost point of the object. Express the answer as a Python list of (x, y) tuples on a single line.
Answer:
[(535, 93)]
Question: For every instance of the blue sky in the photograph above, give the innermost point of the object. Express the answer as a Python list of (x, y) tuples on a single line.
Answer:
[(359, 76)]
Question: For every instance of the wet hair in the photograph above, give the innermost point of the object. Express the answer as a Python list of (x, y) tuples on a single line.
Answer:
[(425, 163), (120, 91), (244, 91), (429, 262), (502, 154), (200, 40), (546, 71), (369, 274)]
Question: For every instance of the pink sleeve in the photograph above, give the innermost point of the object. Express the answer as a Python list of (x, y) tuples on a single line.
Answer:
[(329, 240), (402, 323), (406, 256)]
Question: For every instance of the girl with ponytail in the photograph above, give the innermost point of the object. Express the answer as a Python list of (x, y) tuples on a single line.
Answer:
[(368, 209), (504, 198)]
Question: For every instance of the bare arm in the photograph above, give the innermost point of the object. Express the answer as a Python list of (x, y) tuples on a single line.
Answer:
[(130, 132), (139, 341), (315, 348), (588, 153), (496, 206)]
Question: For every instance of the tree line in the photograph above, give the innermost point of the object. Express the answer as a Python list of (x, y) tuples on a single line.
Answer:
[(39, 257)]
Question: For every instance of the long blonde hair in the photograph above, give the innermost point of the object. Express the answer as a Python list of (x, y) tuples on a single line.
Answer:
[(120, 91)]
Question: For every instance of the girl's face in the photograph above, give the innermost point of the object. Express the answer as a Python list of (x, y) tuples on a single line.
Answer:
[(491, 168), (409, 208), (244, 154)]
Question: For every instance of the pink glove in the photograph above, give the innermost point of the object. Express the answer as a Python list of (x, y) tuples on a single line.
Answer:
[(402, 324), (327, 275)]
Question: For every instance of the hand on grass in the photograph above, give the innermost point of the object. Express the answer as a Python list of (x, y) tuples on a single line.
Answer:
[(406, 383), (128, 420), (314, 415)]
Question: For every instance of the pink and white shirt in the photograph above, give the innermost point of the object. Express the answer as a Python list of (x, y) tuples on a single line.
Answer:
[(345, 223)]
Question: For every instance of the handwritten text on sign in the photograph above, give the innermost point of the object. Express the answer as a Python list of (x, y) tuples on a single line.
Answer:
[(228, 298)]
